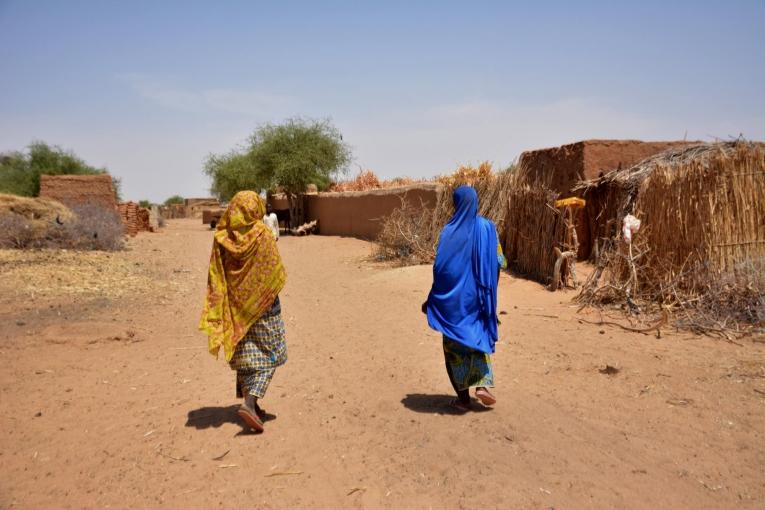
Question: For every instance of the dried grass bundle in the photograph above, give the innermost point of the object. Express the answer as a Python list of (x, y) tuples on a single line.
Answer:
[(367, 180), (492, 188), (43, 210)]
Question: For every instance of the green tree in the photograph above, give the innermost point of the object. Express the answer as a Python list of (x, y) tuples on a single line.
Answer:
[(15, 175), (175, 199), (287, 156), (232, 172), (144, 203), (20, 172)]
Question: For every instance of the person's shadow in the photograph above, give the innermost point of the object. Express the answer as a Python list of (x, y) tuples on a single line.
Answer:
[(207, 417), (439, 404)]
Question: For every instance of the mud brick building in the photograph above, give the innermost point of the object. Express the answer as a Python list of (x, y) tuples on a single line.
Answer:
[(74, 190), (561, 168)]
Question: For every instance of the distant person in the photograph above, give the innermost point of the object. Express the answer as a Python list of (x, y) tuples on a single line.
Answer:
[(462, 304), (242, 312), (272, 222)]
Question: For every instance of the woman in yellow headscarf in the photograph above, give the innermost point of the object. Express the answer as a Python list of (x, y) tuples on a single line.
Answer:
[(242, 312)]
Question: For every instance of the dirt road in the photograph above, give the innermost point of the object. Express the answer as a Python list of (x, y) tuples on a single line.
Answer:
[(109, 398)]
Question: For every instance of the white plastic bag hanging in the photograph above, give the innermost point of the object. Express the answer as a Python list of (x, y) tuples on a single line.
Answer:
[(630, 226)]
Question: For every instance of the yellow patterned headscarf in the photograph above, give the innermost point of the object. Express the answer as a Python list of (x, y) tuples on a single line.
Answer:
[(245, 276)]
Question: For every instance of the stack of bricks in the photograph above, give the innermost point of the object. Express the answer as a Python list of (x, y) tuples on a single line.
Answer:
[(129, 214)]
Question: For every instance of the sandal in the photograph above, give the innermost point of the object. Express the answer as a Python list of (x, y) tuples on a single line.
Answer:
[(485, 397), (458, 405), (250, 418)]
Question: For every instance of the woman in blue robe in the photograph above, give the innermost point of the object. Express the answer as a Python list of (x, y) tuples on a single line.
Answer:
[(462, 304)]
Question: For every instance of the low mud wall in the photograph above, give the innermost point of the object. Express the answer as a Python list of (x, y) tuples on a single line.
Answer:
[(359, 213)]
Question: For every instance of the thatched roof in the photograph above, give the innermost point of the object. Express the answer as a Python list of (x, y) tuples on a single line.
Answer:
[(630, 178)]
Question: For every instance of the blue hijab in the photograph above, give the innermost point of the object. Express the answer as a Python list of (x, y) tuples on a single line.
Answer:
[(462, 303)]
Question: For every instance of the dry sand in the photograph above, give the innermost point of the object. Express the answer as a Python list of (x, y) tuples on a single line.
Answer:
[(109, 398)]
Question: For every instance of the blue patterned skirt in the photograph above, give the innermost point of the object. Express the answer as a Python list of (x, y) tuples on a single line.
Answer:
[(257, 355)]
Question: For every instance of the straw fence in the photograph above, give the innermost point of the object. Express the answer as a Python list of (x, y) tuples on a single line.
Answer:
[(533, 229)]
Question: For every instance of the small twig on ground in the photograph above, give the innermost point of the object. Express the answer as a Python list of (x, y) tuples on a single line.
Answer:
[(542, 315), (654, 327), (182, 459), (220, 457), (679, 401)]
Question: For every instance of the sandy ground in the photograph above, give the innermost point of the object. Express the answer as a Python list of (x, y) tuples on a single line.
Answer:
[(110, 400)]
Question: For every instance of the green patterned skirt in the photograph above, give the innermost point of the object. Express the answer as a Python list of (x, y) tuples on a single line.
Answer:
[(468, 368)]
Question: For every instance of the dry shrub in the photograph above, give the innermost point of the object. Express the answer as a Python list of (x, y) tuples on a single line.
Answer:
[(16, 231), (730, 305), (407, 236), (95, 228)]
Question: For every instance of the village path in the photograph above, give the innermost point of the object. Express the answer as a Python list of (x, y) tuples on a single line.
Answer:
[(108, 398)]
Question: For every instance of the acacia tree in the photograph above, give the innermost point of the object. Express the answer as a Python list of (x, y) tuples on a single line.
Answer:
[(295, 154), (232, 172), (287, 156)]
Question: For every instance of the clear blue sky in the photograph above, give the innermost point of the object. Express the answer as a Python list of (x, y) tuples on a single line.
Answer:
[(148, 89)]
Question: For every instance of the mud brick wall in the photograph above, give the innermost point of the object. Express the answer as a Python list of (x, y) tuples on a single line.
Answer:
[(561, 168), (195, 206), (359, 213), (73, 190), (173, 211)]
